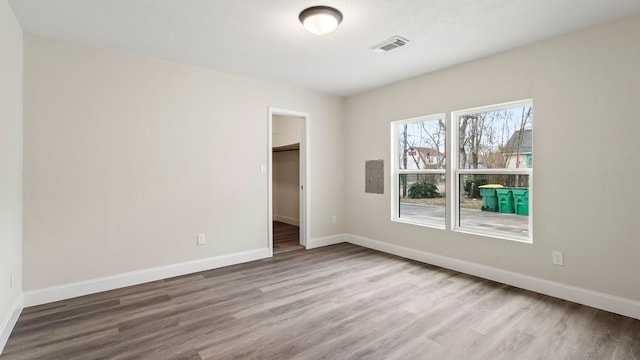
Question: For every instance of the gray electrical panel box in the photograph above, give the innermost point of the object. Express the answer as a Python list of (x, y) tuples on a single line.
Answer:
[(374, 176)]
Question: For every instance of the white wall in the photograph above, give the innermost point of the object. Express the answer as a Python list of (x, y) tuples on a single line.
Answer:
[(127, 158), (10, 166), (585, 88)]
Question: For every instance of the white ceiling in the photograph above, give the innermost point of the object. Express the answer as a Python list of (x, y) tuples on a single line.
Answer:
[(263, 38)]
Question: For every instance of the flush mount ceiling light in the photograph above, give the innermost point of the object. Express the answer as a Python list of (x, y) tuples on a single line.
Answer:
[(320, 20)]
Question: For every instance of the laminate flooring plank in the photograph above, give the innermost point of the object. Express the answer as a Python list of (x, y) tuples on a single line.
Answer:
[(286, 237), (333, 322), (519, 304), (603, 334), (321, 287), (631, 334), (354, 341), (336, 302), (411, 347), (361, 330)]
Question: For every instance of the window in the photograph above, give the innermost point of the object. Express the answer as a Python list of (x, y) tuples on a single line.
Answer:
[(493, 171), (418, 165)]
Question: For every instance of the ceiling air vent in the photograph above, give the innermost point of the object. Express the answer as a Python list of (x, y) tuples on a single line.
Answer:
[(390, 44)]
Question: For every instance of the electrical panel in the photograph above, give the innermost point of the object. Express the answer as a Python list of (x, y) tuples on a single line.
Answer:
[(374, 176)]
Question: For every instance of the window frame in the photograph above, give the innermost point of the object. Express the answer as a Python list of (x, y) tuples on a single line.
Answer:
[(456, 172), (396, 171)]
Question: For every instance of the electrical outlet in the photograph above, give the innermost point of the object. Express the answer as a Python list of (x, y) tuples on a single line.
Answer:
[(557, 258), (334, 219), (202, 238)]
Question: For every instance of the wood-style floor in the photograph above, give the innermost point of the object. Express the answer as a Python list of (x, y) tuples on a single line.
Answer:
[(285, 237), (336, 302)]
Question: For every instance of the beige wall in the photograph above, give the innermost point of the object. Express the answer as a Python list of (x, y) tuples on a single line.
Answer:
[(10, 160), (287, 130), (127, 158), (286, 185), (585, 90)]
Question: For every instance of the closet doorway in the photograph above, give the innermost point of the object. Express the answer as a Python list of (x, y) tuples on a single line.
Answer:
[(287, 180)]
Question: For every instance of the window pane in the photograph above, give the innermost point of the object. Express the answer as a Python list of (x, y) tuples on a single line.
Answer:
[(421, 145), (496, 139), (498, 204), (422, 198)]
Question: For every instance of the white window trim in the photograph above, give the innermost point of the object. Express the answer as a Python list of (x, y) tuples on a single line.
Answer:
[(454, 172), (396, 171)]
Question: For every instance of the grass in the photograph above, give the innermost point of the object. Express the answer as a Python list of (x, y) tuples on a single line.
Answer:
[(465, 204)]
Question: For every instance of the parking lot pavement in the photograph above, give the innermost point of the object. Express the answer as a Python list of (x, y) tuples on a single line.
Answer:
[(470, 218)]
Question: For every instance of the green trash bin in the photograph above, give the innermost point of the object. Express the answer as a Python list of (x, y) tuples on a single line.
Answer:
[(505, 200), (521, 201), (489, 197)]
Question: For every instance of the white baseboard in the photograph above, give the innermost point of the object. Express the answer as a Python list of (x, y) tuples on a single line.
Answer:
[(67, 291), (7, 325), (287, 220), (325, 241), (615, 304), (599, 300)]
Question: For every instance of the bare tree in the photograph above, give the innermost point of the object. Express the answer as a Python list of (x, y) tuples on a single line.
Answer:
[(404, 160), (526, 116), (462, 144), (524, 120), (437, 141), (472, 142)]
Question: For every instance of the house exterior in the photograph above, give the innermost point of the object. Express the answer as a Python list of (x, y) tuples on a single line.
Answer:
[(424, 158), (524, 157)]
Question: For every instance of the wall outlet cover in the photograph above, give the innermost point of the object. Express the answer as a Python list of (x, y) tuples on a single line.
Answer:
[(557, 257), (202, 239)]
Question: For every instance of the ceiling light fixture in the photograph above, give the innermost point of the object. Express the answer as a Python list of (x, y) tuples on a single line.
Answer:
[(320, 20)]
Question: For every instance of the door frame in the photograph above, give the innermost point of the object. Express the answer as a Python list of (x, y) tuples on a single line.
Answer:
[(303, 176)]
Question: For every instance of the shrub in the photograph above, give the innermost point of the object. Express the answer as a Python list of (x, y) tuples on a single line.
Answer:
[(423, 190), (472, 186)]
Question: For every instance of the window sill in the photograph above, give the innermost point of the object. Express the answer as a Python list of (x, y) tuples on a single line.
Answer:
[(423, 224), (502, 236)]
